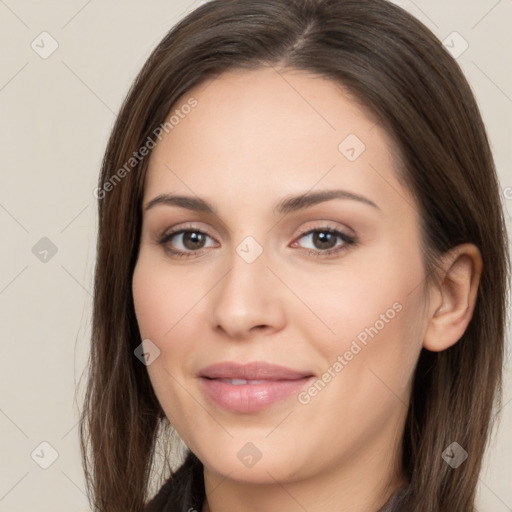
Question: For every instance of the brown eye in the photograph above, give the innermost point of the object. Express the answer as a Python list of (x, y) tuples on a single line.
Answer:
[(184, 242), (325, 241)]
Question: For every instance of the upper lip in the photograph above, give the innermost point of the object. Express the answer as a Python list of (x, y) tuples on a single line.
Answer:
[(257, 370)]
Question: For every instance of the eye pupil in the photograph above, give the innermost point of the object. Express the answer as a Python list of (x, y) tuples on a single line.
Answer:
[(191, 240), (325, 239)]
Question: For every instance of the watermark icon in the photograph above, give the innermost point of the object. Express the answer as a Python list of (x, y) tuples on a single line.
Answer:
[(44, 455), (507, 191), (249, 249), (455, 44), (147, 352), (304, 397), (454, 455), (144, 150), (44, 250), (352, 147), (44, 45), (249, 454)]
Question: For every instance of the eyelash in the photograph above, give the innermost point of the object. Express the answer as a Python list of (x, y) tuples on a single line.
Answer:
[(348, 241)]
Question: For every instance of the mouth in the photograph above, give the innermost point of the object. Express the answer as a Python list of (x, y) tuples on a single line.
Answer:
[(238, 382), (251, 387)]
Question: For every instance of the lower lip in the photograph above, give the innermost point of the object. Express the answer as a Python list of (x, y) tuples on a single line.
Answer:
[(251, 397)]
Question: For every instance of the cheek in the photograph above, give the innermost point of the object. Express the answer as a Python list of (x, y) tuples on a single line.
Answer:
[(150, 301), (170, 307), (370, 361), (376, 309), (162, 318), (164, 300), (165, 314), (370, 296)]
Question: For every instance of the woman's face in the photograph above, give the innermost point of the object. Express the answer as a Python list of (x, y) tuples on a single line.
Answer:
[(328, 288)]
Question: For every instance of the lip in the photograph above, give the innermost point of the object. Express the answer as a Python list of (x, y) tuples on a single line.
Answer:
[(273, 383)]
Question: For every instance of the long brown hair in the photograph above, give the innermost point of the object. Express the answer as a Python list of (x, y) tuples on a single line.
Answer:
[(398, 70)]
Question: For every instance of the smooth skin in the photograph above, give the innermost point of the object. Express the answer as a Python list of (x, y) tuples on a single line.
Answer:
[(255, 138)]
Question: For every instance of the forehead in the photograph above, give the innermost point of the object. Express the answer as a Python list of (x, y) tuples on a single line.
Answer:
[(263, 130)]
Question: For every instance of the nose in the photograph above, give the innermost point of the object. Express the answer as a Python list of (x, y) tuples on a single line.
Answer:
[(248, 299)]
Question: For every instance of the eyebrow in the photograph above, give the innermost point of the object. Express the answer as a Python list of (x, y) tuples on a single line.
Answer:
[(286, 205)]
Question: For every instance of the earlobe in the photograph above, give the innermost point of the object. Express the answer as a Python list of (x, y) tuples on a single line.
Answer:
[(453, 297)]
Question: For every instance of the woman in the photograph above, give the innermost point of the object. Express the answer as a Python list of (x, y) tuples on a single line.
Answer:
[(302, 269)]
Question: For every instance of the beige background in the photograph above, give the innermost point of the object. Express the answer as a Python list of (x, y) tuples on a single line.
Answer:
[(56, 114)]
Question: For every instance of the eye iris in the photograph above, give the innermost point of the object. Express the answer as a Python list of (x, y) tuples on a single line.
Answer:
[(191, 239), (324, 239)]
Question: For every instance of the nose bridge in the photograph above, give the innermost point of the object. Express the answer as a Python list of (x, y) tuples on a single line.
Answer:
[(247, 296)]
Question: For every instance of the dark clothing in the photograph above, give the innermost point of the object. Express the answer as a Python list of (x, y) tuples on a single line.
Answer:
[(396, 502), (187, 492)]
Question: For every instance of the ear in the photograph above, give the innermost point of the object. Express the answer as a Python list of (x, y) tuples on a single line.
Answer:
[(453, 297)]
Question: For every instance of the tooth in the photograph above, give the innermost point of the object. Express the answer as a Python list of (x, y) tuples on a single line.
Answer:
[(237, 382)]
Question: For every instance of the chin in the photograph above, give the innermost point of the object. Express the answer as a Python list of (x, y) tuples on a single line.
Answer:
[(252, 462)]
